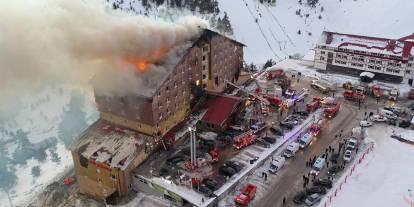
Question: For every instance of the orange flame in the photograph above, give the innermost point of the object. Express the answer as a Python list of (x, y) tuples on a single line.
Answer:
[(140, 65)]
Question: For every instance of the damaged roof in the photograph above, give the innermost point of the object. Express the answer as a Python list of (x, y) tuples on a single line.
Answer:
[(115, 146)]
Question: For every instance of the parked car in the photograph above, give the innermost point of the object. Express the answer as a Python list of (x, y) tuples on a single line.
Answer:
[(348, 156), (388, 114), (323, 182), (212, 184), (174, 160), (364, 123), (204, 190), (404, 124), (276, 131), (277, 164), (299, 197), (333, 170), (352, 143), (286, 125), (395, 110), (378, 118), (302, 113), (235, 165), (334, 157), (318, 165), (316, 189), (271, 140), (227, 171), (263, 143), (392, 121), (312, 199)]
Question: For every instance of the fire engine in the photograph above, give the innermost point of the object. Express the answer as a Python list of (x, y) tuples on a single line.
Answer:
[(353, 95), (244, 140), (315, 129), (246, 196), (331, 111), (314, 104)]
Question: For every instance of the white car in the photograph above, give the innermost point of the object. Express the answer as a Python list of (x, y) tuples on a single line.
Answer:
[(365, 123), (379, 118), (352, 143), (348, 156)]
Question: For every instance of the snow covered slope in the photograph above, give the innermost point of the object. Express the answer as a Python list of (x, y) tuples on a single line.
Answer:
[(33, 151), (383, 18), (280, 23)]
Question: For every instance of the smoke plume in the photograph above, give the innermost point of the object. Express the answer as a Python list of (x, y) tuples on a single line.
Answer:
[(55, 41)]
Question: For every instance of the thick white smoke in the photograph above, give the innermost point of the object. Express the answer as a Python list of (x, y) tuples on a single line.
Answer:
[(46, 41)]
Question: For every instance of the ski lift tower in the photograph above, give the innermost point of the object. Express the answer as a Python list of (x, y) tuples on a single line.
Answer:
[(193, 147)]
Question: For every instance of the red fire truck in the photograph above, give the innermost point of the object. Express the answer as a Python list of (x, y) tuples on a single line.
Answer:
[(315, 104), (246, 196), (353, 95), (244, 140), (331, 111), (315, 129)]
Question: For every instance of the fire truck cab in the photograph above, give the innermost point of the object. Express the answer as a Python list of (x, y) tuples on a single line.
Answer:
[(246, 195)]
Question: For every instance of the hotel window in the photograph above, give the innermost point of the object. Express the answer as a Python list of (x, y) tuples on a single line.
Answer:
[(408, 71), (410, 64), (204, 57), (322, 52), (377, 68), (372, 61), (379, 62), (322, 58)]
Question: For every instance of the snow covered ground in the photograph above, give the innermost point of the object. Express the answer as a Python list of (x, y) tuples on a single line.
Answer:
[(385, 177), (40, 118)]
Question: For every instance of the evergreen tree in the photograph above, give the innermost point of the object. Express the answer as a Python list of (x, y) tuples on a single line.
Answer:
[(7, 178), (227, 25), (36, 171), (73, 120)]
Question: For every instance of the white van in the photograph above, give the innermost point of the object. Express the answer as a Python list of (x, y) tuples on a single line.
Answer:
[(305, 140), (277, 164), (291, 150), (318, 165), (388, 114)]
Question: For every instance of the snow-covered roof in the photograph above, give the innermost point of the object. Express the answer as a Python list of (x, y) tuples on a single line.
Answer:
[(115, 146), (397, 47)]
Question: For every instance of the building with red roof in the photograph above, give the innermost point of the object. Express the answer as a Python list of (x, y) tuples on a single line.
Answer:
[(388, 59), (219, 112)]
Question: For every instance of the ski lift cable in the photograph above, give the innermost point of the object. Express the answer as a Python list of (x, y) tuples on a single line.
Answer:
[(279, 42), (280, 25), (261, 31)]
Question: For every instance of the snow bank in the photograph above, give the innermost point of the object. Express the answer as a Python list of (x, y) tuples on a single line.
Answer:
[(383, 180)]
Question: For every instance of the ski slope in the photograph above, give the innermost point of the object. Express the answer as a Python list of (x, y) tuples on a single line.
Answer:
[(383, 18)]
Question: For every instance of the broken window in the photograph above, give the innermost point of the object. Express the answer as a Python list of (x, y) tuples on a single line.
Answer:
[(83, 161)]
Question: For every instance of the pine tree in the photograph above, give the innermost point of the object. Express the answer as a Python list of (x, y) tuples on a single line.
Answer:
[(73, 120), (36, 171)]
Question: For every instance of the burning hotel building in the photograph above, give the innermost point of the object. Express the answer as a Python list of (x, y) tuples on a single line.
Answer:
[(130, 126)]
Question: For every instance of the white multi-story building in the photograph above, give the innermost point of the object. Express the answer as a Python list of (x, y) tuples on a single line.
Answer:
[(388, 59)]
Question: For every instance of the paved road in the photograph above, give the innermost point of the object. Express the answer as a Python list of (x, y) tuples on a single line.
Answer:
[(290, 181)]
